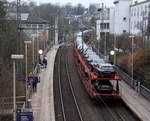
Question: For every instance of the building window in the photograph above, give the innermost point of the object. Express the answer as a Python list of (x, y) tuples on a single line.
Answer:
[(141, 10), (145, 10), (131, 12), (102, 25), (28, 25), (107, 25), (124, 31), (34, 25), (135, 12), (40, 26), (134, 24), (124, 18)]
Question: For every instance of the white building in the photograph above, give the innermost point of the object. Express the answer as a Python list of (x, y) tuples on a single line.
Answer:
[(103, 24), (121, 16), (112, 20), (117, 20), (139, 13)]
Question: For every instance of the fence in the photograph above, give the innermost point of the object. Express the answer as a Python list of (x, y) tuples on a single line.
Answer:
[(145, 92), (6, 107)]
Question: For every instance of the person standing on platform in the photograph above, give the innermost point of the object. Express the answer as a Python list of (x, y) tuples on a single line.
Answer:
[(139, 86), (45, 62), (34, 86)]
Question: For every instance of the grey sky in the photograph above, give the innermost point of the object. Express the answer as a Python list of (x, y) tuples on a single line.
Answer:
[(75, 2)]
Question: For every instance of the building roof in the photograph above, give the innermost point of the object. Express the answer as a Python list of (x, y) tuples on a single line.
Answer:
[(117, 1), (138, 3), (37, 21), (3, 1)]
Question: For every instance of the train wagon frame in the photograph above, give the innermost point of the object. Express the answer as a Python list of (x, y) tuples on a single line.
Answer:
[(89, 77)]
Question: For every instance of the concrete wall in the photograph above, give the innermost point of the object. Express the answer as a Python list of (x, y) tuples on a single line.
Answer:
[(112, 14), (121, 16), (139, 17)]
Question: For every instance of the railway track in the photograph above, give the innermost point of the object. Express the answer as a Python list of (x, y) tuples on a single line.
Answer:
[(111, 108), (69, 107), (82, 106)]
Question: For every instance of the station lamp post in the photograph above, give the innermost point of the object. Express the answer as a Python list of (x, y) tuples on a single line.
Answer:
[(26, 62), (115, 42), (112, 53), (100, 37), (40, 53), (15, 57), (132, 39)]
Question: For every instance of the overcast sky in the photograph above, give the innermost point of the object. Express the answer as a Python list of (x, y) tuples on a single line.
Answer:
[(75, 2)]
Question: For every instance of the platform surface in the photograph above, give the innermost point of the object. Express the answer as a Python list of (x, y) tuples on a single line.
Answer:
[(138, 104), (43, 99)]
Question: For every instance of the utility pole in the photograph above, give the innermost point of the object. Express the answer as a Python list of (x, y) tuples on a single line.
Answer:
[(132, 66), (56, 29), (18, 10), (105, 30), (115, 49), (18, 24), (102, 27)]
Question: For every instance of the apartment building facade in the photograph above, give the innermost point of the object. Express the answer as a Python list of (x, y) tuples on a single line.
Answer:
[(127, 17), (139, 15)]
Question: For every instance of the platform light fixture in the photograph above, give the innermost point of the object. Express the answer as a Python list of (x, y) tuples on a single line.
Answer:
[(132, 73), (15, 57), (112, 52), (26, 62), (40, 52)]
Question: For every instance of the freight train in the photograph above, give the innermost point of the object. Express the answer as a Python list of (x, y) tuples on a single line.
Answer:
[(98, 77)]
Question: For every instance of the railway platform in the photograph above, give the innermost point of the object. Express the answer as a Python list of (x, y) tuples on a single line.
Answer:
[(43, 100), (137, 103)]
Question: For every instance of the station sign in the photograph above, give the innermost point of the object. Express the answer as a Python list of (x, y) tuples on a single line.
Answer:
[(32, 79), (24, 115)]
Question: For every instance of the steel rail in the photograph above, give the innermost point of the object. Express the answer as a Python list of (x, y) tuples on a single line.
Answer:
[(72, 90), (111, 112), (60, 89)]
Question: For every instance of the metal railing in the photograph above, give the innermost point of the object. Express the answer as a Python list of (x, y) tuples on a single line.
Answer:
[(145, 92), (141, 89), (6, 105)]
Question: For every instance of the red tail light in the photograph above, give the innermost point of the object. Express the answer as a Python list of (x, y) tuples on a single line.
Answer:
[(101, 70)]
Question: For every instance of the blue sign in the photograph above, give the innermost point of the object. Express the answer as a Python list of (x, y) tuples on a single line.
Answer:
[(33, 79), (24, 115)]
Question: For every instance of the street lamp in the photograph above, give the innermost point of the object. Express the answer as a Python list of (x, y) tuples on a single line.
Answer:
[(26, 62), (40, 52), (112, 52), (99, 10), (15, 57), (132, 38)]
